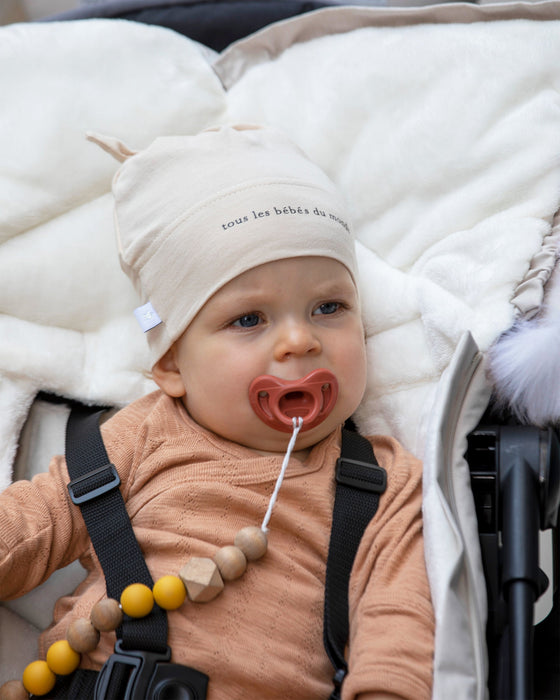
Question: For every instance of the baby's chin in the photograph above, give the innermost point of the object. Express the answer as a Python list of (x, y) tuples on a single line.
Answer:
[(275, 442)]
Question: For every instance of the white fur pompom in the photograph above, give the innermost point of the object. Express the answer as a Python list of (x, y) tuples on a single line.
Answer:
[(525, 368)]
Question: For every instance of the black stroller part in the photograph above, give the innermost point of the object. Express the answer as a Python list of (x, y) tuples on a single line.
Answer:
[(59, 400), (214, 23), (360, 482), (141, 667), (94, 487), (515, 473), (547, 649)]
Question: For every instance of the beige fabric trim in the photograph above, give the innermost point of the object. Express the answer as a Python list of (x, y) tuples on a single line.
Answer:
[(528, 297), (271, 41)]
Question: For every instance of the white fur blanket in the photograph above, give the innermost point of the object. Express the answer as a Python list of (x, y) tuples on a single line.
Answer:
[(445, 139)]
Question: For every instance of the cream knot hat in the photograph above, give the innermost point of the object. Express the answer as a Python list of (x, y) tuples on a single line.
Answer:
[(194, 212)]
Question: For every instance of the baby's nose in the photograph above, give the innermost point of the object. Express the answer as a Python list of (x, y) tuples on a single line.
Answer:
[(296, 339)]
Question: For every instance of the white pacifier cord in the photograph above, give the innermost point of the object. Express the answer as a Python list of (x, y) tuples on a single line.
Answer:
[(297, 423)]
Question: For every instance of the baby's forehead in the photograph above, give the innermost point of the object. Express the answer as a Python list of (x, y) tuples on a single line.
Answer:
[(310, 274), (294, 263)]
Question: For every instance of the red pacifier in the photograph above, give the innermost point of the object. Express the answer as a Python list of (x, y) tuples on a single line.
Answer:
[(276, 401)]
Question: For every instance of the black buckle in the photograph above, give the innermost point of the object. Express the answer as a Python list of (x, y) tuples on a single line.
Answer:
[(151, 677), (361, 475), (96, 476)]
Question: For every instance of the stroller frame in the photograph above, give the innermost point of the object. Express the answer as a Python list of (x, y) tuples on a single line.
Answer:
[(515, 472)]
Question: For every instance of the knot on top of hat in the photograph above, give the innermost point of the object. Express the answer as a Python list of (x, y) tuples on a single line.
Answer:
[(111, 145)]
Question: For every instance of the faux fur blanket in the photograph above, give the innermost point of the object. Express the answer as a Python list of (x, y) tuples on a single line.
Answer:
[(445, 138)]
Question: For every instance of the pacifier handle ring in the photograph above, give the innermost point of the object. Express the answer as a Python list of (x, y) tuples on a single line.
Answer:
[(267, 391)]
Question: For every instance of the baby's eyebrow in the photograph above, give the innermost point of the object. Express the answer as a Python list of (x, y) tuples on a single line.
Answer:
[(247, 299), (252, 299), (334, 288), (340, 287)]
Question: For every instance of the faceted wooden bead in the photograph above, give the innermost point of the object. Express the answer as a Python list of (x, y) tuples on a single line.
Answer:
[(82, 636), (202, 579), (13, 690), (231, 562), (252, 541), (106, 615)]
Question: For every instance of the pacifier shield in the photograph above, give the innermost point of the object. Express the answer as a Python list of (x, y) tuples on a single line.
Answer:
[(277, 401)]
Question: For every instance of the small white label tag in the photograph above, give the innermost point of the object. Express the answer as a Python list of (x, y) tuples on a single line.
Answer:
[(147, 317)]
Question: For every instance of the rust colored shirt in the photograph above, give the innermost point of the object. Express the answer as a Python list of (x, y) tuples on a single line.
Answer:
[(188, 492)]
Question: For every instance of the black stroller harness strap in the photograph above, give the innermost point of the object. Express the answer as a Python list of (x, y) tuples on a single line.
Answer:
[(359, 483), (94, 487)]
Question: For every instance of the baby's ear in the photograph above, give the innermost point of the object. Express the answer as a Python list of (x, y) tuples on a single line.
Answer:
[(167, 375)]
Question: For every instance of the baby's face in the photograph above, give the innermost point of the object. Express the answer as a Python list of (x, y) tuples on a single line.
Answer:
[(285, 318)]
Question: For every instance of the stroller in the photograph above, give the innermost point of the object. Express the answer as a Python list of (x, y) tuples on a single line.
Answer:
[(455, 212)]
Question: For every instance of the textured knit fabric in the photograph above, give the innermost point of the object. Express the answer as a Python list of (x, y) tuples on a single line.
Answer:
[(188, 492)]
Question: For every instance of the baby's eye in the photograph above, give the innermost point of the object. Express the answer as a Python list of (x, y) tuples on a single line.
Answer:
[(247, 321), (329, 307)]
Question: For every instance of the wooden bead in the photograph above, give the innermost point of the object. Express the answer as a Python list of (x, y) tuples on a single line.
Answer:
[(82, 636), (202, 579), (38, 678), (61, 658), (231, 562), (106, 615), (252, 541), (13, 690)]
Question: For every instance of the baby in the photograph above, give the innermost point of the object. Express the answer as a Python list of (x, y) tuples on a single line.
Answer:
[(241, 251)]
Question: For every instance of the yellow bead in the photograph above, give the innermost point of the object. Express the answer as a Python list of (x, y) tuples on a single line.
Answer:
[(252, 541), (38, 678), (62, 659), (137, 600), (106, 615), (169, 592)]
